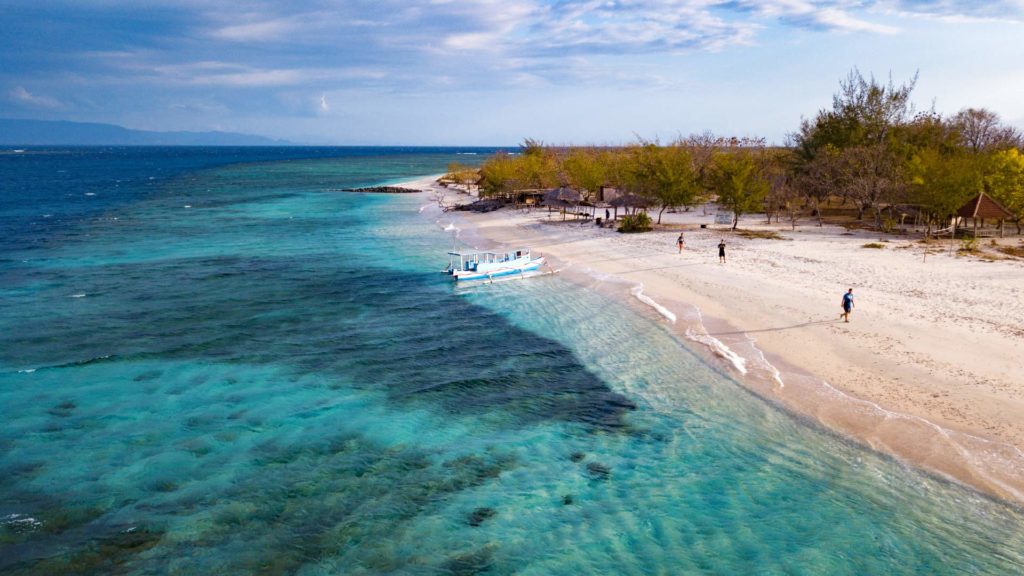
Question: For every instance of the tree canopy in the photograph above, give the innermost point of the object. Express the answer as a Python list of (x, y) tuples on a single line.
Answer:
[(870, 148)]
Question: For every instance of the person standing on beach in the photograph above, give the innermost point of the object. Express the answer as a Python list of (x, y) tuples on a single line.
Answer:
[(681, 243), (847, 304), (721, 251)]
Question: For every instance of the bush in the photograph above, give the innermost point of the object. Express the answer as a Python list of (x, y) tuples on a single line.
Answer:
[(764, 234), (639, 222), (873, 245), (969, 245)]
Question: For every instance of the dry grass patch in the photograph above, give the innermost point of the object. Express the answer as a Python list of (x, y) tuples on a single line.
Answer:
[(873, 245), (766, 234), (1016, 251)]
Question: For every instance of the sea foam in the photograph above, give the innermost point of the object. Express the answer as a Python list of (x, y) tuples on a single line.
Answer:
[(638, 292)]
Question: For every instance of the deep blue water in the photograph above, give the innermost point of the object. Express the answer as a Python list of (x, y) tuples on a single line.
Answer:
[(212, 363)]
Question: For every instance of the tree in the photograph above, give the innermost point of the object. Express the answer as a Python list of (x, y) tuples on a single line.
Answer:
[(666, 174), (783, 194), (941, 183), (461, 174), (981, 130), (536, 166), (498, 175), (870, 174), (860, 137), (582, 169), (1004, 180), (863, 112), (819, 177), (736, 177)]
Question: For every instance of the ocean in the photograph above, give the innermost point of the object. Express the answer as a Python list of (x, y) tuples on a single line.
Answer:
[(212, 362)]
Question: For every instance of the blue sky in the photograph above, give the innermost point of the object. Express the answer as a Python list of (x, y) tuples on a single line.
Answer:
[(492, 72)]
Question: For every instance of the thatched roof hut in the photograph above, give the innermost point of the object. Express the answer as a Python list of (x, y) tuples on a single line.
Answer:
[(562, 197), (632, 201)]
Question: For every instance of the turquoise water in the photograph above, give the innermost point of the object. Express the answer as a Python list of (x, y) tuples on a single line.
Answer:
[(277, 380)]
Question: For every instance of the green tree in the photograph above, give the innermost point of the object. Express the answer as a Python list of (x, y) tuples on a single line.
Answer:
[(1004, 180), (462, 174), (671, 177), (498, 175), (736, 176), (536, 166), (582, 169), (941, 183), (859, 137)]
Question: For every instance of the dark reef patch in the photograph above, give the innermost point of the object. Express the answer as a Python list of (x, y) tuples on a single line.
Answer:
[(480, 515), (598, 471)]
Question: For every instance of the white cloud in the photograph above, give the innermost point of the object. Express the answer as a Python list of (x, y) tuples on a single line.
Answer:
[(22, 96), (954, 11), (255, 31)]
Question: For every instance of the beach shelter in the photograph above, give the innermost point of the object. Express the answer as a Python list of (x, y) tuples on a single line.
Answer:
[(562, 198), (981, 207), (631, 201)]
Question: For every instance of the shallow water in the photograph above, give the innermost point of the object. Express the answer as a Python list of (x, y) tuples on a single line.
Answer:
[(278, 380)]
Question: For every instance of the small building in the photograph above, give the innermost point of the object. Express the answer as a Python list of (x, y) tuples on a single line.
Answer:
[(983, 207), (607, 193)]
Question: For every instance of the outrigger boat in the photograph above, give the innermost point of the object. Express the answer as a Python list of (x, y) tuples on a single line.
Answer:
[(489, 265)]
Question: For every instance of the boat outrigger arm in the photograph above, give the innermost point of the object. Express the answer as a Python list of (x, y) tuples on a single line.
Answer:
[(489, 265)]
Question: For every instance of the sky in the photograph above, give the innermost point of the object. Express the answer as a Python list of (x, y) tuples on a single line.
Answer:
[(494, 72)]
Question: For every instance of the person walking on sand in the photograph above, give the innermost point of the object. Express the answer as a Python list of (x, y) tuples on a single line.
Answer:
[(721, 251), (681, 243), (847, 304)]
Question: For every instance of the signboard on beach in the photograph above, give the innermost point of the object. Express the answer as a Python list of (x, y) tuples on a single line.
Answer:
[(723, 218)]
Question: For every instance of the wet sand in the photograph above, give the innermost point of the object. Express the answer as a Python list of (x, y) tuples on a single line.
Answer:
[(930, 368)]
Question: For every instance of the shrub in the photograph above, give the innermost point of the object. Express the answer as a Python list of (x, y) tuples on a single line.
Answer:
[(889, 224), (873, 245), (639, 222), (764, 234), (969, 245)]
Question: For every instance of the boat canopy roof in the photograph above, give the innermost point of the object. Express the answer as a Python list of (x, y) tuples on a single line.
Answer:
[(464, 253)]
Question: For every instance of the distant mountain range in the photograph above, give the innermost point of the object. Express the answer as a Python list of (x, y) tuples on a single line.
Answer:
[(64, 133)]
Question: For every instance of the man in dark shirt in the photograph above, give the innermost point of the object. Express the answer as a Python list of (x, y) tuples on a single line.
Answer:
[(847, 304)]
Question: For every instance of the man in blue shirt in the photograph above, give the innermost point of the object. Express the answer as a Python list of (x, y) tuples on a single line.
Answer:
[(847, 304)]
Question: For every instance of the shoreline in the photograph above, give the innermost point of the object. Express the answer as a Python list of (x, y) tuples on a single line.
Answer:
[(900, 378)]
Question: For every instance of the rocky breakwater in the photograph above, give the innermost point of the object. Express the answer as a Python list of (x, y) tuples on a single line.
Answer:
[(379, 190)]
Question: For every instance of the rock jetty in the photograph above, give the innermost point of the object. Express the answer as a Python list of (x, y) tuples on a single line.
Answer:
[(380, 190)]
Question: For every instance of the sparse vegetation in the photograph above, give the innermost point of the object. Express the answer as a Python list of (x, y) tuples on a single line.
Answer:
[(762, 234), (873, 245), (1015, 251), (969, 245), (639, 222)]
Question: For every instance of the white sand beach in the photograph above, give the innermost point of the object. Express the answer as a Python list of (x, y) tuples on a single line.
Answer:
[(930, 368)]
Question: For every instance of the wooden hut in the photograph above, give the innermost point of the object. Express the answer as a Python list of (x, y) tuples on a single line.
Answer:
[(530, 196), (983, 207), (562, 198), (607, 193)]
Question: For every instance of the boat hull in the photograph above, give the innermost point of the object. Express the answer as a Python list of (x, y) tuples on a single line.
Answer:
[(464, 276)]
